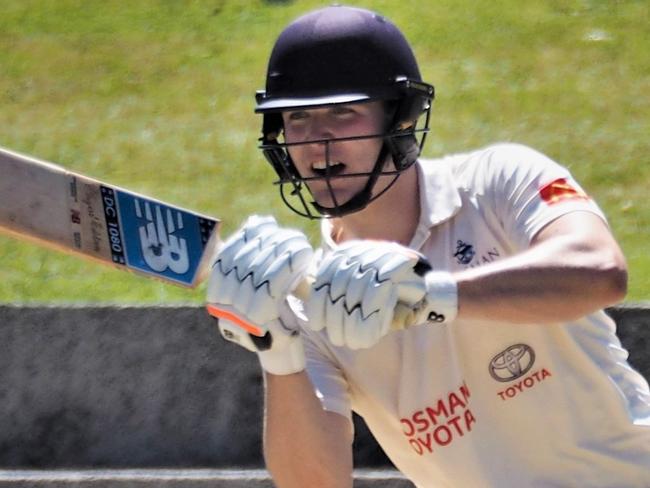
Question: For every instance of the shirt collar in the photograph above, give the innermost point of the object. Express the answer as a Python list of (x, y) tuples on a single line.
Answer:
[(439, 200), (439, 196)]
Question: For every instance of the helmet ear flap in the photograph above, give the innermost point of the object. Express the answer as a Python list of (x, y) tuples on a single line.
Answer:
[(275, 154), (403, 147), (279, 160), (402, 143)]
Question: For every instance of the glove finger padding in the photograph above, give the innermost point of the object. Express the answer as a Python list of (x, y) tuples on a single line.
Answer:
[(253, 226), (256, 269), (357, 288), (253, 274), (293, 258), (317, 305)]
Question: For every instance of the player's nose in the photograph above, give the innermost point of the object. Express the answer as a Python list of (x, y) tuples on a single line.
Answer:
[(319, 128)]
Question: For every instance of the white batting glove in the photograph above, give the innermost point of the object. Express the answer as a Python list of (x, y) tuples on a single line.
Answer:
[(360, 284), (255, 271)]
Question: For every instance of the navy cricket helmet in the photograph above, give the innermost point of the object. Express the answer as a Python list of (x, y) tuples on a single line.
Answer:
[(341, 55)]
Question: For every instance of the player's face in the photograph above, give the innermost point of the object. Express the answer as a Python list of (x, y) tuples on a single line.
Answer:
[(337, 158)]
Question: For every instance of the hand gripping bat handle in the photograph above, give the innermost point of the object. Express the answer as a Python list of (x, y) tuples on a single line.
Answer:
[(404, 316)]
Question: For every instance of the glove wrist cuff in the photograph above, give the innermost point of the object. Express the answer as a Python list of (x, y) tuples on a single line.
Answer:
[(442, 297), (285, 360)]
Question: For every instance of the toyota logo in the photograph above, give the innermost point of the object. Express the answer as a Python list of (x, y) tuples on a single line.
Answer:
[(512, 363)]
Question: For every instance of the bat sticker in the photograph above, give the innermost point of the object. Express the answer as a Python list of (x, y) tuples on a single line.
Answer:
[(165, 241)]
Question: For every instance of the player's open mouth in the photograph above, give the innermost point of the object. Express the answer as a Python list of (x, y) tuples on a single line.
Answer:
[(322, 169)]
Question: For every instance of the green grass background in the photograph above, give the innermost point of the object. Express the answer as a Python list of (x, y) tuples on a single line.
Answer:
[(157, 96)]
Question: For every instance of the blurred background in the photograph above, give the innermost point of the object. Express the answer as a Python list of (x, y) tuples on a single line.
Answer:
[(158, 97)]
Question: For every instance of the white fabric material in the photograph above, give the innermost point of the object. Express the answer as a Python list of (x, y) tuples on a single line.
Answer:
[(254, 272), (441, 301), (492, 404)]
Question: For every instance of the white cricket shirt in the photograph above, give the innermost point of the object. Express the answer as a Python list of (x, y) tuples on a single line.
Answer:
[(486, 404)]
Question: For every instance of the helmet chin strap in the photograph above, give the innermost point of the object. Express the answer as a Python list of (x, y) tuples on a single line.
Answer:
[(361, 199)]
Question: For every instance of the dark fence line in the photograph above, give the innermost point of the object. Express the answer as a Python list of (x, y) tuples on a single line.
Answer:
[(129, 387)]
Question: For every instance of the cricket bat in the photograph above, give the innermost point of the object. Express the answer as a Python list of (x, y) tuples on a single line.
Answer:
[(47, 204)]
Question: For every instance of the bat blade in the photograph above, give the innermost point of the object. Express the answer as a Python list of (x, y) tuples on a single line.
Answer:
[(45, 203)]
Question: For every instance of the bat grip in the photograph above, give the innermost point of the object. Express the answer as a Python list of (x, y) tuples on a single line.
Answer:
[(404, 316), (303, 290)]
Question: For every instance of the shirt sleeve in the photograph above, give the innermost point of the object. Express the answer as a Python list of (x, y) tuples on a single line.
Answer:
[(528, 191), (330, 384), (327, 378)]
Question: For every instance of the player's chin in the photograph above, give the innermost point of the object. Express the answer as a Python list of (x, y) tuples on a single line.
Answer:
[(334, 197)]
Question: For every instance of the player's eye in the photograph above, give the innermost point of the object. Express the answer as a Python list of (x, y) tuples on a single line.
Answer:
[(298, 115), (342, 110)]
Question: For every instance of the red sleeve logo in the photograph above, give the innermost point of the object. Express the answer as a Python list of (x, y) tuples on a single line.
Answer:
[(560, 190)]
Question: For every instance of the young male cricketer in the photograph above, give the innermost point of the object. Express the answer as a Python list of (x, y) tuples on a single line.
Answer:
[(514, 375)]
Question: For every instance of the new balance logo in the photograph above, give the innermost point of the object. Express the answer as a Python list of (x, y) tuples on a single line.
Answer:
[(161, 249)]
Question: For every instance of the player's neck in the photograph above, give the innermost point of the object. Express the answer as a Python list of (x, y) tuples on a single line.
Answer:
[(393, 216)]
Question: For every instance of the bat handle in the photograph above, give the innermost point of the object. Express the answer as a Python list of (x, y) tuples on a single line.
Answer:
[(303, 290), (404, 316)]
